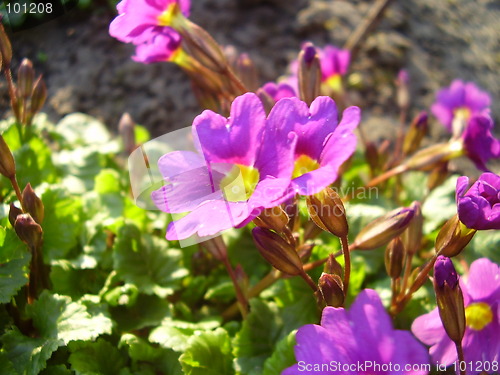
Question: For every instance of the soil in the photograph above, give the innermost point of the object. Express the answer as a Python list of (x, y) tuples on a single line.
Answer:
[(88, 71)]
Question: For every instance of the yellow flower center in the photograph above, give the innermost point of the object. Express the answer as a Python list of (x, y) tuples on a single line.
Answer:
[(167, 16), (478, 315), (304, 164), (334, 83), (240, 183), (462, 112)]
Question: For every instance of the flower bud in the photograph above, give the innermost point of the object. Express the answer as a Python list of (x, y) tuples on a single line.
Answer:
[(332, 289), (333, 267), (33, 204), (126, 129), (7, 163), (453, 237), (272, 218), (418, 130), (5, 47), (266, 99), (309, 73), (14, 212), (380, 231), (412, 236), (28, 231), (428, 157), (245, 69), (25, 78), (279, 253), (449, 298), (327, 211), (394, 257), (402, 93), (38, 96)]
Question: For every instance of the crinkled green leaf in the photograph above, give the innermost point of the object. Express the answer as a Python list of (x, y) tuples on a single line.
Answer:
[(283, 356), (56, 370), (14, 262), (95, 358), (75, 280), (62, 223), (57, 317), (223, 292), (147, 262), (208, 353), (28, 355), (6, 365), (256, 340)]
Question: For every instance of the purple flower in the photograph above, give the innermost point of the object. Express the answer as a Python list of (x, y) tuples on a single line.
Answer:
[(445, 273), (459, 102), (136, 17), (479, 207), (479, 143), (363, 335), (244, 165), (163, 44), (323, 143), (279, 91), (481, 290), (334, 64)]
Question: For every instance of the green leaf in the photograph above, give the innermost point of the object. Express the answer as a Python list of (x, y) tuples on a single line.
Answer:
[(283, 356), (56, 370), (81, 129), (440, 205), (62, 223), (14, 262), (141, 134), (175, 334), (57, 317), (484, 244), (256, 340), (208, 354), (147, 311), (146, 262), (28, 355), (95, 358), (107, 181)]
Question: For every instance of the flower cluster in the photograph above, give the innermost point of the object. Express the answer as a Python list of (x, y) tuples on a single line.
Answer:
[(481, 291), (249, 162), (363, 335), (149, 26)]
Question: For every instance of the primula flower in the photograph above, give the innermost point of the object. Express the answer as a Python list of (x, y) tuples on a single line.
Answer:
[(334, 64), (352, 339), (481, 290), (479, 207), (479, 143), (323, 143), (163, 44), (136, 18), (458, 103), (279, 91), (243, 166)]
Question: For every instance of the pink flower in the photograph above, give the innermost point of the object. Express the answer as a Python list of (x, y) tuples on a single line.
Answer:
[(163, 44), (361, 336), (481, 290), (479, 143), (479, 207)]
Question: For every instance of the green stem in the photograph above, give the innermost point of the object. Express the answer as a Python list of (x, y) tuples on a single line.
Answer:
[(347, 263)]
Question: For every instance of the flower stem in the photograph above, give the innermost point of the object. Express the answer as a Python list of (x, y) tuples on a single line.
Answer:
[(385, 176), (461, 358), (407, 272), (347, 262), (309, 281), (15, 185), (240, 296)]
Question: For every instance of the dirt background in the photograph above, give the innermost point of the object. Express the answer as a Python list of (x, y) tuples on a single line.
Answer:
[(88, 71)]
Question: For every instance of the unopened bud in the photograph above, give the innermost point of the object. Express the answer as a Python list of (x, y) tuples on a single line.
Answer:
[(453, 237), (33, 204), (327, 211), (403, 94), (272, 218), (245, 69), (25, 78), (309, 73), (412, 236), (333, 267), (394, 257), (428, 157), (266, 99), (449, 298), (127, 133), (14, 212), (332, 290), (38, 96), (5, 47), (418, 130), (7, 163), (380, 231), (278, 252), (28, 230)]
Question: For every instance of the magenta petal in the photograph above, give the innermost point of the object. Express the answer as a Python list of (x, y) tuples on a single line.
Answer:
[(484, 279), (234, 140), (160, 46), (409, 351), (315, 181), (428, 328), (208, 219), (479, 143)]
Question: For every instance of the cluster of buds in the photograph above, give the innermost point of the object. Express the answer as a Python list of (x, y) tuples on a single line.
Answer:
[(28, 96), (453, 237), (331, 288)]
